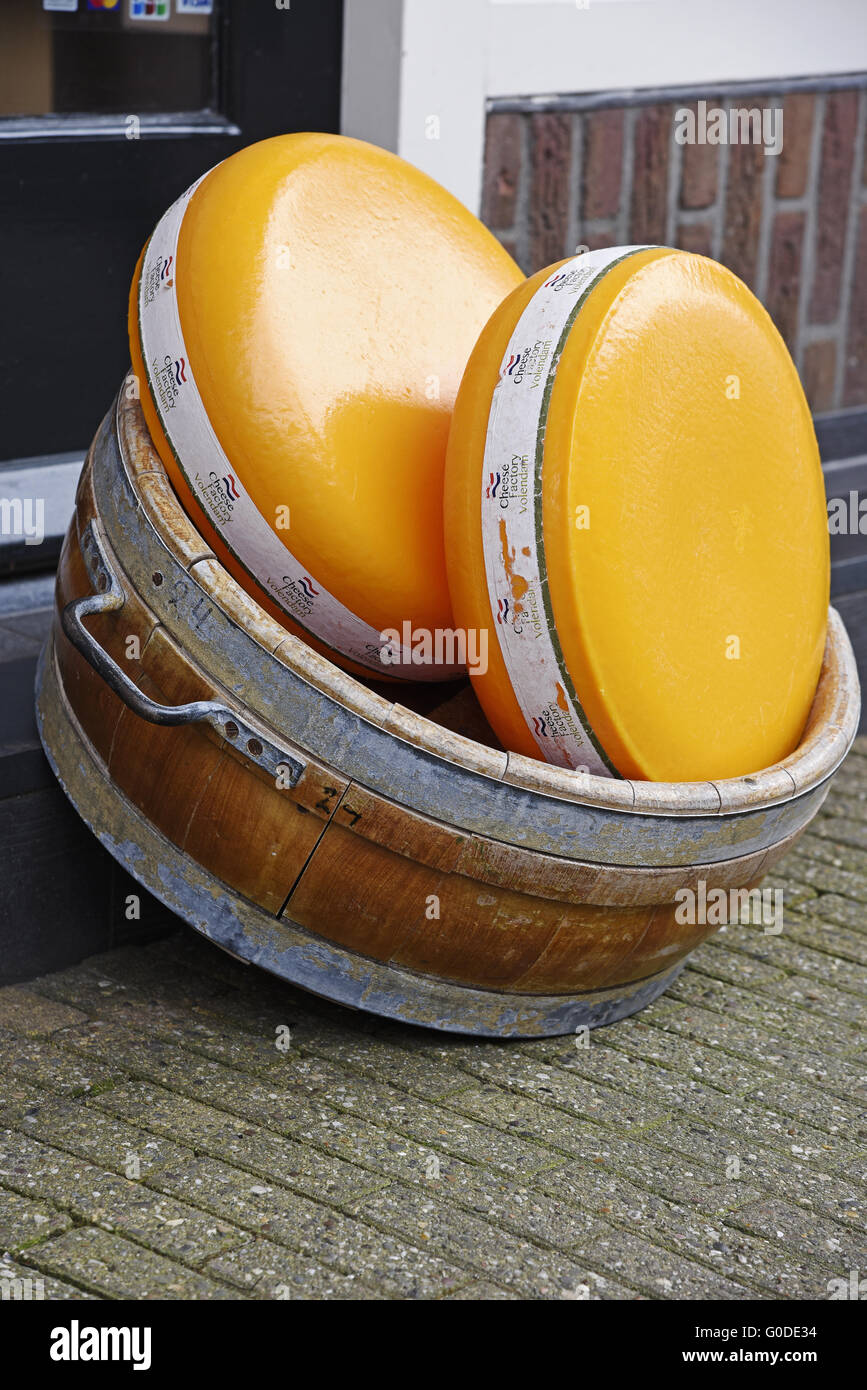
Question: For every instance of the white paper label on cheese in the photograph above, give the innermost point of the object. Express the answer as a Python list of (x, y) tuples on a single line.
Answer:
[(512, 537), (214, 481)]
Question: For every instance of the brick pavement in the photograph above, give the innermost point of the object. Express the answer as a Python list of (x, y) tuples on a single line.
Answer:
[(156, 1142)]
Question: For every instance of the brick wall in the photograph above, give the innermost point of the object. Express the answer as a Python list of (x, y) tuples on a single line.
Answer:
[(793, 226)]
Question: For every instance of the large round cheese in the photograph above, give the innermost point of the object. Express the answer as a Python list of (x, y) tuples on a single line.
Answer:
[(300, 321), (635, 513)]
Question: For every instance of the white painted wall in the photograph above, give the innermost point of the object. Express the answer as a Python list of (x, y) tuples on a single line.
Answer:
[(417, 73)]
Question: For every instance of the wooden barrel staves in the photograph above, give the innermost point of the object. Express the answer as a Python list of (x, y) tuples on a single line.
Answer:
[(362, 850)]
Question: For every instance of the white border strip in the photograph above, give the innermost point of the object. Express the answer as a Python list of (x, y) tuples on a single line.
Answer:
[(512, 537)]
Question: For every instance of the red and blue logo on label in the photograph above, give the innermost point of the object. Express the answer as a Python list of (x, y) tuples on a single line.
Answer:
[(513, 362)]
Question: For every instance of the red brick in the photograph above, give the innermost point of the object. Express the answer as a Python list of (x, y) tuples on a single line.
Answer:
[(502, 169), (603, 162), (653, 134), (838, 150), (509, 244), (855, 379), (784, 273), (551, 147), (598, 241), (820, 367), (696, 237), (793, 161), (743, 210), (699, 172)]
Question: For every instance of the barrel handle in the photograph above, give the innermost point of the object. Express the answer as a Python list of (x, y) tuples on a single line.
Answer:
[(251, 742)]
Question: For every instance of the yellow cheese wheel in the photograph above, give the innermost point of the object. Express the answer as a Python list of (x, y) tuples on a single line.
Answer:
[(300, 320), (635, 512)]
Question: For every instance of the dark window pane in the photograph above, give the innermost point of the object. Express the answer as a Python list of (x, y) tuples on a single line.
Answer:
[(107, 57)]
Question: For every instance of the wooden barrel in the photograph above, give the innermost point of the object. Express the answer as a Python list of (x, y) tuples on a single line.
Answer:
[(371, 853)]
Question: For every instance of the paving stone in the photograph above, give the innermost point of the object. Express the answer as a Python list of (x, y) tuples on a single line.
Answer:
[(855, 1168), (17, 1097), (24, 1221), (747, 970), (490, 1192), (479, 1291), (823, 1112), (712, 1147), (429, 1073), (559, 1125), (795, 895), (741, 1040), (234, 1140), (835, 1010), (765, 1012), (51, 1066), (812, 928), (832, 908), (112, 1267), (711, 1240), (644, 1060), (498, 1256), (835, 852), (329, 1236), (828, 877), (840, 827), (817, 1239), (100, 1198), (20, 1283), (270, 1271), (658, 1272), (82, 987), (627, 1092), (795, 957), (596, 1185), (795, 1173), (386, 1154), (526, 1213), (136, 972), (753, 1124), (283, 1108), (736, 1074), (31, 1015), (460, 1134), (98, 1136)]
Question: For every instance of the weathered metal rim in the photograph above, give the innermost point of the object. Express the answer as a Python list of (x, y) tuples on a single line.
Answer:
[(804, 770), (282, 947), (218, 637)]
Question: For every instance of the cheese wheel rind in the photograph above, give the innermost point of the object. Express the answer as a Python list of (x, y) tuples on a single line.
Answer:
[(328, 295), (690, 611)]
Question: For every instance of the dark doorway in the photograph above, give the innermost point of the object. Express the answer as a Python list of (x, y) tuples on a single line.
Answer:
[(108, 111)]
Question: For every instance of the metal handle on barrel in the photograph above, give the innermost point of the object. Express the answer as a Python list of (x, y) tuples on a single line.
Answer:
[(229, 723)]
